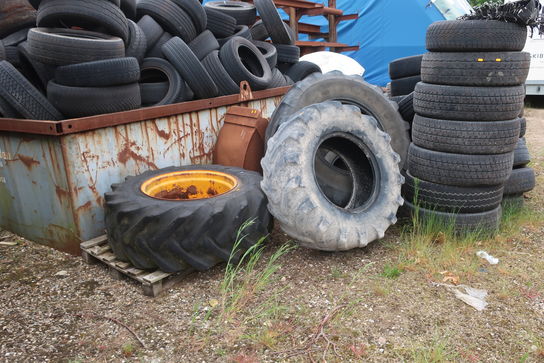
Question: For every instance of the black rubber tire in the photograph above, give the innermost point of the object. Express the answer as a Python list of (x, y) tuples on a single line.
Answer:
[(452, 199), (23, 96), (156, 50), (153, 92), (219, 74), (278, 79), (196, 12), (172, 235), (93, 15), (244, 13), (521, 181), (335, 181), (171, 17), (288, 53), (406, 108), (273, 22), (39, 71), (190, 68), (67, 46), (2, 51), (522, 157), (405, 67), (268, 51), (15, 38), (404, 86), (7, 111), (301, 70), (465, 137), (128, 7), (102, 73), (258, 31), (155, 70), (204, 44), (12, 55), (240, 31), (88, 101), (253, 68), (476, 69), (462, 223), (335, 86), (152, 30), (298, 202), (137, 43), (459, 169), (468, 103), (220, 24), (475, 36), (523, 126)]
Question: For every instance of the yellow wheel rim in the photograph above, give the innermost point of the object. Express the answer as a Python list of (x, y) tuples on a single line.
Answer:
[(189, 185)]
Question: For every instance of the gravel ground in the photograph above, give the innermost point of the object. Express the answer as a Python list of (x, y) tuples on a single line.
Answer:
[(55, 308)]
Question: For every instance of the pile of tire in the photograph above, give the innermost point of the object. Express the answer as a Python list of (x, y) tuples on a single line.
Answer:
[(89, 57), (331, 172), (466, 125), (405, 73)]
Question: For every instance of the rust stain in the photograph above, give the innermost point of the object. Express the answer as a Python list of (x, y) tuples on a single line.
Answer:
[(28, 161), (84, 207), (33, 182), (127, 153), (162, 134), (61, 193)]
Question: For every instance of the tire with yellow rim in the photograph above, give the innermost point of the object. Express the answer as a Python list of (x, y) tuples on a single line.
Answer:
[(185, 217)]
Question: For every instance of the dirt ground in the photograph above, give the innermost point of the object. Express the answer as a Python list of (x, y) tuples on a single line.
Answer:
[(380, 303)]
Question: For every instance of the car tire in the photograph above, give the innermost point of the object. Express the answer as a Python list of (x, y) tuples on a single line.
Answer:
[(102, 73)]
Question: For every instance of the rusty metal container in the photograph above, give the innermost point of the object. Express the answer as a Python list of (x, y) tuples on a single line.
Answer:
[(53, 174)]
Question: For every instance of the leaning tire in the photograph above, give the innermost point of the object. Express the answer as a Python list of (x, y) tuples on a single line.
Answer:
[(405, 67), (268, 51), (468, 103), (258, 31), (335, 86), (451, 199), (196, 12), (94, 15), (522, 156), (170, 16), (484, 222), (295, 197), (89, 101), (521, 181), (244, 13), (103, 73), (68, 46), (288, 53), (23, 97), (174, 234), (476, 69), (137, 43), (220, 24), (219, 74), (204, 44), (523, 126), (151, 29), (156, 70), (475, 36), (459, 169), (273, 22), (465, 137), (406, 108)]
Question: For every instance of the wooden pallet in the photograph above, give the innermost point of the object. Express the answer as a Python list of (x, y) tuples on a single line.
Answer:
[(153, 283)]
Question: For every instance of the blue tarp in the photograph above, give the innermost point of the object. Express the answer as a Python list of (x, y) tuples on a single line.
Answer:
[(386, 30)]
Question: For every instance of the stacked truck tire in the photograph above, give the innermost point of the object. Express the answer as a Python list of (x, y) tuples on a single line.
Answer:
[(466, 127), (89, 57)]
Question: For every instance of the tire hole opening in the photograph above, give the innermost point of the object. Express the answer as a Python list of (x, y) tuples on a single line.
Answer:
[(250, 61)]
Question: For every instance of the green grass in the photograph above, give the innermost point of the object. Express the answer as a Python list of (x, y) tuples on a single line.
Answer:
[(391, 272)]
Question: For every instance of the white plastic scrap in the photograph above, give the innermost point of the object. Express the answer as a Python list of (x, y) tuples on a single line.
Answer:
[(471, 296), (486, 256)]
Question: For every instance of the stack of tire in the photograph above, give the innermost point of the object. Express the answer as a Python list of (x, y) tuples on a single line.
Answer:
[(91, 57), (405, 73), (466, 125)]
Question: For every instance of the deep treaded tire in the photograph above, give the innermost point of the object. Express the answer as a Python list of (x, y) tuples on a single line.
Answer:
[(522, 156), (95, 15), (476, 69), (522, 180), (484, 222), (244, 62), (452, 199), (288, 53), (258, 31), (406, 108), (523, 126), (220, 24), (459, 169), (196, 12), (103, 73), (468, 103), (204, 44), (89, 101), (405, 67), (297, 201), (475, 35), (23, 97), (335, 86), (465, 137), (137, 43), (273, 22), (170, 16), (190, 68), (172, 234), (219, 74), (151, 29), (68, 46)]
